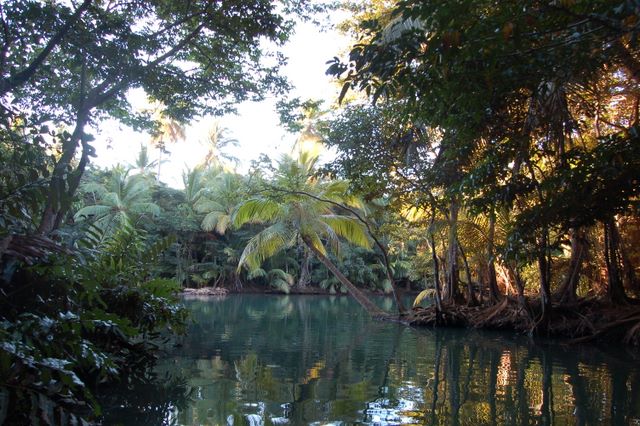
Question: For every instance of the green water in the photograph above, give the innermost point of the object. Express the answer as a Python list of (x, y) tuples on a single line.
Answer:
[(257, 359)]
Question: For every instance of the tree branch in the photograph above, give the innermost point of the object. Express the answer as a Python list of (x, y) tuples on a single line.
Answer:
[(10, 83)]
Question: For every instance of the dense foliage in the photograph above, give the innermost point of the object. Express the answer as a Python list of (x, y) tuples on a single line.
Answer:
[(487, 153), (86, 297), (512, 128)]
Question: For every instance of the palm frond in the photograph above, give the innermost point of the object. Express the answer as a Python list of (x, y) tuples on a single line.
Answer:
[(281, 285), (257, 210), (256, 273), (223, 224), (265, 244), (348, 228), (338, 191), (208, 205), (313, 239), (113, 200), (281, 275), (210, 221), (97, 188), (146, 209), (97, 211), (323, 230), (424, 294)]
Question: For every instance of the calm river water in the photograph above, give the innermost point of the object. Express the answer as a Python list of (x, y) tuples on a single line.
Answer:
[(298, 360)]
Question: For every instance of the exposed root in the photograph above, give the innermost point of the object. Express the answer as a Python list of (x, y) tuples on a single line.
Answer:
[(583, 321), (206, 291)]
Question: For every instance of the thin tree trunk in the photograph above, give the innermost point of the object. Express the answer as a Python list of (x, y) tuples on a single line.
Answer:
[(59, 197), (517, 279), (471, 299), (452, 278), (360, 297), (494, 293), (544, 268), (305, 273), (630, 280), (567, 291), (436, 266), (159, 164), (615, 287)]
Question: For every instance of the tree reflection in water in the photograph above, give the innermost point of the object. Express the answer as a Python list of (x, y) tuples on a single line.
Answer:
[(256, 359)]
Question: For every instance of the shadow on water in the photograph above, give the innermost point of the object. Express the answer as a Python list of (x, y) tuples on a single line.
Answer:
[(256, 359)]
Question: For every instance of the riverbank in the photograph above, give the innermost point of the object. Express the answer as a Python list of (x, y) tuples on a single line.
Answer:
[(223, 291), (583, 321)]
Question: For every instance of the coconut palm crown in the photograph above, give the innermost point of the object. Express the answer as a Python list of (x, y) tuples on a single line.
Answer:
[(122, 200), (301, 208)]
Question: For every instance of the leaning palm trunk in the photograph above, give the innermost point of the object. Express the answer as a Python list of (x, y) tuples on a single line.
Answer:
[(360, 297)]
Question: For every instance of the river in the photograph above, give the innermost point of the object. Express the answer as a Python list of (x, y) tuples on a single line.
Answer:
[(298, 360)]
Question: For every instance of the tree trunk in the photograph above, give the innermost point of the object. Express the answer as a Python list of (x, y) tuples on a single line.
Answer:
[(494, 293), (436, 267), (522, 301), (305, 273), (360, 297), (544, 268), (630, 279), (471, 299), (60, 196), (579, 246), (452, 276), (615, 287)]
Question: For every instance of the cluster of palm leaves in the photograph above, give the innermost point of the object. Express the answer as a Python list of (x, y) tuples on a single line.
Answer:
[(283, 227), (121, 199)]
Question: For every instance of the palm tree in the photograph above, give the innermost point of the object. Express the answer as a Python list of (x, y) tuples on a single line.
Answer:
[(300, 211), (194, 181), (310, 139), (122, 201), (143, 164), (276, 278), (217, 141), (167, 130), (219, 200)]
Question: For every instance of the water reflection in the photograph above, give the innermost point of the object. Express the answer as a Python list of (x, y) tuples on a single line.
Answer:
[(319, 360), (148, 400)]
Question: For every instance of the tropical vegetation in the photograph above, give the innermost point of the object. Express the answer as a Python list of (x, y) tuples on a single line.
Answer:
[(486, 159)]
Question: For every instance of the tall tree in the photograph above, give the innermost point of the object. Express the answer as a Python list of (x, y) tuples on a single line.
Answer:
[(509, 106), (296, 209), (167, 131), (218, 140), (75, 62)]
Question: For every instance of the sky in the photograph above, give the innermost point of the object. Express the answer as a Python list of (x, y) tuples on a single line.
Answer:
[(256, 124)]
